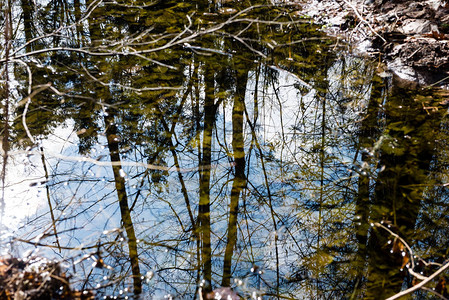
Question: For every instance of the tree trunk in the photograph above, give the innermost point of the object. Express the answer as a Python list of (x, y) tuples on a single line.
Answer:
[(120, 186), (239, 182), (205, 164)]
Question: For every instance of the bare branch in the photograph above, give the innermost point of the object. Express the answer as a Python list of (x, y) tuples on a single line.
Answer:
[(424, 279), (421, 284), (138, 90)]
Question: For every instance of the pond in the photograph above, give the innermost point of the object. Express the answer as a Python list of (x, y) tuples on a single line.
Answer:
[(169, 149)]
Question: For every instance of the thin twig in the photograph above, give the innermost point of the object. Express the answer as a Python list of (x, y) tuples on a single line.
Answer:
[(363, 20), (425, 280), (421, 284), (434, 292)]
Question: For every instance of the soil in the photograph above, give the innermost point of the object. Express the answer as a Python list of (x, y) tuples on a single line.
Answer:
[(410, 37)]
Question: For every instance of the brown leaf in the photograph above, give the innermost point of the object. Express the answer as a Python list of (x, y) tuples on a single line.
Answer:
[(398, 246), (436, 35), (405, 261)]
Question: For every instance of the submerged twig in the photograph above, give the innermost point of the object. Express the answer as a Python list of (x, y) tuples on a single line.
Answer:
[(424, 279)]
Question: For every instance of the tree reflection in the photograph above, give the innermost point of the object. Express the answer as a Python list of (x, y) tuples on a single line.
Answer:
[(120, 186), (406, 154), (242, 152)]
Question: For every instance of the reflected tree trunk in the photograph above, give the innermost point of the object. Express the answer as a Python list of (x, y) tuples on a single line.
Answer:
[(322, 94), (406, 153), (368, 134), (268, 197), (27, 11), (120, 186), (5, 100), (170, 132), (113, 139), (205, 165), (195, 102), (239, 181), (77, 15), (50, 206)]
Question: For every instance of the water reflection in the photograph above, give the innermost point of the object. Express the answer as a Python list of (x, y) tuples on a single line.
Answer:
[(258, 165)]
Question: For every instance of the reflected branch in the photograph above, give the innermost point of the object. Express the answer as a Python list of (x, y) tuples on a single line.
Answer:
[(270, 202), (47, 189), (239, 182), (98, 162), (111, 133)]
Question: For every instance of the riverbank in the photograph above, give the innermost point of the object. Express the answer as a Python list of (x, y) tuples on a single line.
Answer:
[(410, 37)]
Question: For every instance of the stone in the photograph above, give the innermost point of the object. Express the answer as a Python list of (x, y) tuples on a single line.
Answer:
[(416, 26)]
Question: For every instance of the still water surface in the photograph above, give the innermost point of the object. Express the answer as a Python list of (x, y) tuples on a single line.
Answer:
[(256, 155)]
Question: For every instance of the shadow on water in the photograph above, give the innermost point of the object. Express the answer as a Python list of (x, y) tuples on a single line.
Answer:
[(190, 149)]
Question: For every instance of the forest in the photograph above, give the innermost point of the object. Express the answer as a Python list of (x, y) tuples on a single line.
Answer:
[(223, 149)]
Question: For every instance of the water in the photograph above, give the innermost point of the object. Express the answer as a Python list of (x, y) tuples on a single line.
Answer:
[(180, 150)]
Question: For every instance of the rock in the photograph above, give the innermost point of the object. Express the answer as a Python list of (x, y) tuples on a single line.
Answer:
[(405, 72), (422, 60), (435, 4), (412, 36), (416, 26), (418, 13)]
